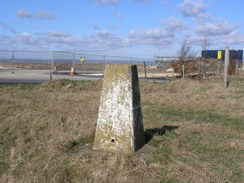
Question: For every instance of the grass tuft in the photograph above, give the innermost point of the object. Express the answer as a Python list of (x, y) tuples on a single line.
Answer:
[(194, 133)]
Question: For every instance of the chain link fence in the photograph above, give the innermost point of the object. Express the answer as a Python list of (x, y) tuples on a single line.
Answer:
[(62, 64), (26, 59), (66, 63), (65, 60)]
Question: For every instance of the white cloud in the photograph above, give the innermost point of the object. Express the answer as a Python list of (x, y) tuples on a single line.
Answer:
[(55, 33), (5, 26), (235, 38), (218, 29), (192, 8), (144, 1), (24, 14), (104, 2), (152, 33), (154, 36), (42, 15), (110, 40), (203, 18), (6, 40), (174, 24), (26, 39), (95, 26), (103, 38), (166, 3), (118, 16), (107, 39), (55, 36), (104, 33)]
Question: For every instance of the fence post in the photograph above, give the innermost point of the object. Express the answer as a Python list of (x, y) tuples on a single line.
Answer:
[(204, 69), (51, 76), (52, 60), (236, 70), (200, 77), (145, 69), (219, 64), (52, 69), (73, 60), (183, 70), (227, 58), (12, 55)]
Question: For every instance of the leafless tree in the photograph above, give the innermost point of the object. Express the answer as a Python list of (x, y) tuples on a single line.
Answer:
[(205, 43), (185, 52)]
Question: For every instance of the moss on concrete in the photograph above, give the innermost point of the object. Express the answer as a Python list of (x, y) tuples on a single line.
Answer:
[(120, 125)]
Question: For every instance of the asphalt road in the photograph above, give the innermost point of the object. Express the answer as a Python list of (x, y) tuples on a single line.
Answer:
[(18, 76)]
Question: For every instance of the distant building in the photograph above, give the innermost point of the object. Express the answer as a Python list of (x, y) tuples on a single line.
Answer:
[(235, 55)]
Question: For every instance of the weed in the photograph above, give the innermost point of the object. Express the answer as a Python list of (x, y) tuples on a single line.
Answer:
[(194, 132), (4, 167)]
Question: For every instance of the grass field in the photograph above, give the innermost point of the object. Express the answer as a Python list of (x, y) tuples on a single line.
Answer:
[(194, 133)]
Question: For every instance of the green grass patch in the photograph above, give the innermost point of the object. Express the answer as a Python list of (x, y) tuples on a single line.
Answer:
[(193, 130), (3, 167), (172, 114)]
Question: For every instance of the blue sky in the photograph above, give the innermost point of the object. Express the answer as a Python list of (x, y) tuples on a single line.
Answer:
[(136, 28)]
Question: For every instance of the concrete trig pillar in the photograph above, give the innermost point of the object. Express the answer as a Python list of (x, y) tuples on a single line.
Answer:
[(120, 126)]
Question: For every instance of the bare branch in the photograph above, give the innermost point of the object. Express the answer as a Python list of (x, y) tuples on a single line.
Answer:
[(185, 51), (205, 43)]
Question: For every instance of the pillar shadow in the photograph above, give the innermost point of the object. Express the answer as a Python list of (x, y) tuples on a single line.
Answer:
[(149, 133)]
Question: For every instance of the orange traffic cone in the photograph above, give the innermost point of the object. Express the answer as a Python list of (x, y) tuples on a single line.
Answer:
[(72, 71), (55, 70)]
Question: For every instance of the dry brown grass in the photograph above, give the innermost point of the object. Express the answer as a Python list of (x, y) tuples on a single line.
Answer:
[(93, 66), (195, 132)]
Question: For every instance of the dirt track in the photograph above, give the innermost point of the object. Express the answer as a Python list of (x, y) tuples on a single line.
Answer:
[(151, 71)]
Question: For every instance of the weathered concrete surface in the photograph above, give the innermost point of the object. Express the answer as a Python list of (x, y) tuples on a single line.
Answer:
[(120, 124)]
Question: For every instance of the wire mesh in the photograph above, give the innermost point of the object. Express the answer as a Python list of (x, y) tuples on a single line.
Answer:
[(85, 61)]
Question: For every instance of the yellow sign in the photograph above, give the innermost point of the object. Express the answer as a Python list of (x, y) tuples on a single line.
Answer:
[(82, 59), (219, 55)]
